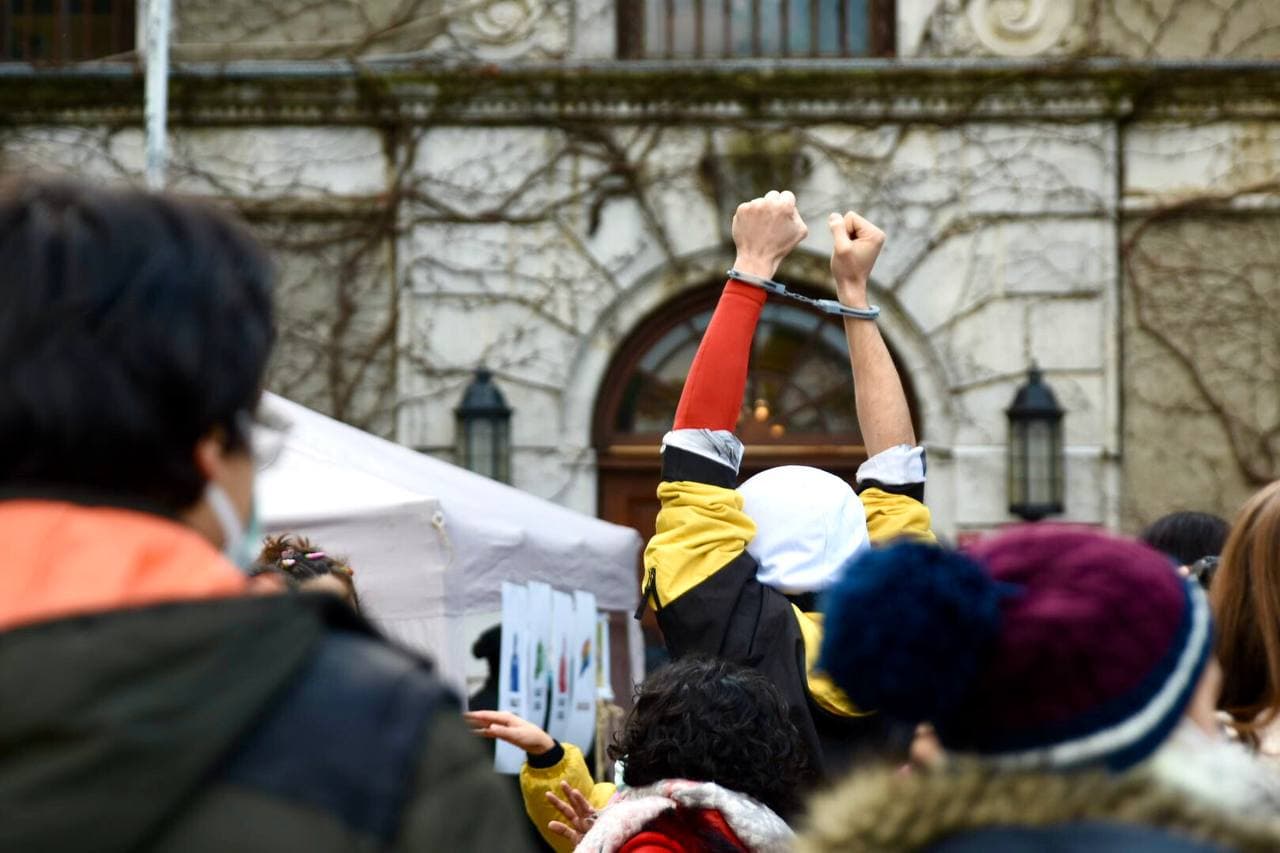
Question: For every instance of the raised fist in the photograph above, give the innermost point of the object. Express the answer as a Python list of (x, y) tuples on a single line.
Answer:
[(856, 244), (765, 230)]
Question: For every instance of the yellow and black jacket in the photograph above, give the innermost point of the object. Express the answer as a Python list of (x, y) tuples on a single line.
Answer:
[(702, 584)]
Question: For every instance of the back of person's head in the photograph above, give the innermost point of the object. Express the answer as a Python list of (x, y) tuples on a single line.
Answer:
[(1044, 647), (713, 721), (306, 566), (1246, 604), (488, 647), (132, 325), (1187, 536), (808, 523)]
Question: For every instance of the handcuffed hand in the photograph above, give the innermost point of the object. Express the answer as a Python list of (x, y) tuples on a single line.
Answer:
[(505, 726), (857, 244), (578, 813), (765, 230)]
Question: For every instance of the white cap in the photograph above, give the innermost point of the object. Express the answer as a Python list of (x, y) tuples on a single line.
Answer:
[(808, 522)]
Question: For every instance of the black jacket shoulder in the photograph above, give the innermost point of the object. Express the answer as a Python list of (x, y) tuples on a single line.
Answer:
[(344, 736)]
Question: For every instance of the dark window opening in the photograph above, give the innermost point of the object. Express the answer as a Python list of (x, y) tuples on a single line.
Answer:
[(704, 29), (52, 32)]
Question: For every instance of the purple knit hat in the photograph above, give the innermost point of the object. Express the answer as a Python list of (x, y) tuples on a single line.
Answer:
[(1044, 646)]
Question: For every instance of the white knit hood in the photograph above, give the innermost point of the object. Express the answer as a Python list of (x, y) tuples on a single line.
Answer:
[(631, 810), (808, 524)]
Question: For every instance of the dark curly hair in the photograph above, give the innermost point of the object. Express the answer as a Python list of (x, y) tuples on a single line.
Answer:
[(714, 721)]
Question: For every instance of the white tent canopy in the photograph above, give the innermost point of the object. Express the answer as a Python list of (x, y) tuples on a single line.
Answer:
[(431, 542)]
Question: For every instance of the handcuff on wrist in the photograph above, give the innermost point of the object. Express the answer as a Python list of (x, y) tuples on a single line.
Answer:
[(828, 306)]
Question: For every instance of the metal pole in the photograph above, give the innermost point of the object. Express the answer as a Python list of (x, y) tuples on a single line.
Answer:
[(157, 103)]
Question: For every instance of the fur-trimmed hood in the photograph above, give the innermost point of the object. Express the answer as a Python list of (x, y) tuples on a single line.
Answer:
[(754, 823), (888, 811)]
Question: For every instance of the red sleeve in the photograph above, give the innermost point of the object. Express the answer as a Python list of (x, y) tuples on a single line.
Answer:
[(684, 830), (652, 842), (712, 397)]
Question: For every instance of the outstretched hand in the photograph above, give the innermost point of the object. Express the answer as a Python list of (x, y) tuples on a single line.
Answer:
[(765, 230), (505, 726), (578, 813), (856, 245)]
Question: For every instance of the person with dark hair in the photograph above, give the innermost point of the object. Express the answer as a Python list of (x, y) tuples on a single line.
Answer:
[(137, 708), (1193, 539), (1069, 676), (734, 570), (306, 567), (488, 648), (710, 758)]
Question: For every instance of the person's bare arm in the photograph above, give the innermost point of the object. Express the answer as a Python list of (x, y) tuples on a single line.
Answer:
[(883, 416)]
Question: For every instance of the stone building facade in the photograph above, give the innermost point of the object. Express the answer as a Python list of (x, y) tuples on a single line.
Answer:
[(535, 187)]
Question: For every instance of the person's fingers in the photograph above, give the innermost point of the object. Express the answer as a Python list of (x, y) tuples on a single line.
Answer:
[(561, 806), (586, 814), (772, 195), (574, 807), (490, 716), (501, 732), (580, 802), (861, 228), (479, 727), (839, 234), (561, 829), (787, 195)]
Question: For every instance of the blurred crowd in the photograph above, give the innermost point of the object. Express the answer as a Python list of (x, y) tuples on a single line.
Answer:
[(839, 680)]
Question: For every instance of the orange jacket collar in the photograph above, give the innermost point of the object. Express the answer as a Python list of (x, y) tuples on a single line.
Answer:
[(63, 559)]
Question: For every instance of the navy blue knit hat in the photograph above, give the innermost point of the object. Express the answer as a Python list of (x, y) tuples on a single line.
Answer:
[(1043, 647)]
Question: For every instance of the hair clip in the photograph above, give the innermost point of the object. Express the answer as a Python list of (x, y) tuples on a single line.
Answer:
[(288, 552), (287, 563), (315, 555)]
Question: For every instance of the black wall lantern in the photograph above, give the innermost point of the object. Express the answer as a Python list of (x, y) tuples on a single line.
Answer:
[(1035, 450), (484, 429)]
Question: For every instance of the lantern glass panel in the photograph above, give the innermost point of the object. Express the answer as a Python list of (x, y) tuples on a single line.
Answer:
[(502, 451), (481, 458), (1017, 463), (1041, 450)]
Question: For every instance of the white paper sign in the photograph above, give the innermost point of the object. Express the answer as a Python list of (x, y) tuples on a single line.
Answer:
[(513, 672), (582, 659), (562, 668), (540, 656)]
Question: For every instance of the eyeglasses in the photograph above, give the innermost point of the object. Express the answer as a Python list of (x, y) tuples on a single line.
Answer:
[(268, 432)]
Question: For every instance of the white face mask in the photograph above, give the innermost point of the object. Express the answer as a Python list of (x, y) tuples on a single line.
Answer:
[(239, 540)]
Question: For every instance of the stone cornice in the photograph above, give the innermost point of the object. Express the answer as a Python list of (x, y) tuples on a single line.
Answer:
[(867, 91)]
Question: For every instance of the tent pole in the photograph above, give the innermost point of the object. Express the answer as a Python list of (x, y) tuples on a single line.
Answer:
[(158, 20)]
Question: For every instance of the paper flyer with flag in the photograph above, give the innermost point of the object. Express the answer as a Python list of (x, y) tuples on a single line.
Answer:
[(581, 727), (539, 628), (513, 674), (562, 667)]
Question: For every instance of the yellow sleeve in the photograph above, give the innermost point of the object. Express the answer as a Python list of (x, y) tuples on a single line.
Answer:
[(891, 516), (701, 528), (535, 782), (823, 690)]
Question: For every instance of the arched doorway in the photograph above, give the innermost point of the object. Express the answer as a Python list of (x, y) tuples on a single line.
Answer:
[(798, 408)]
